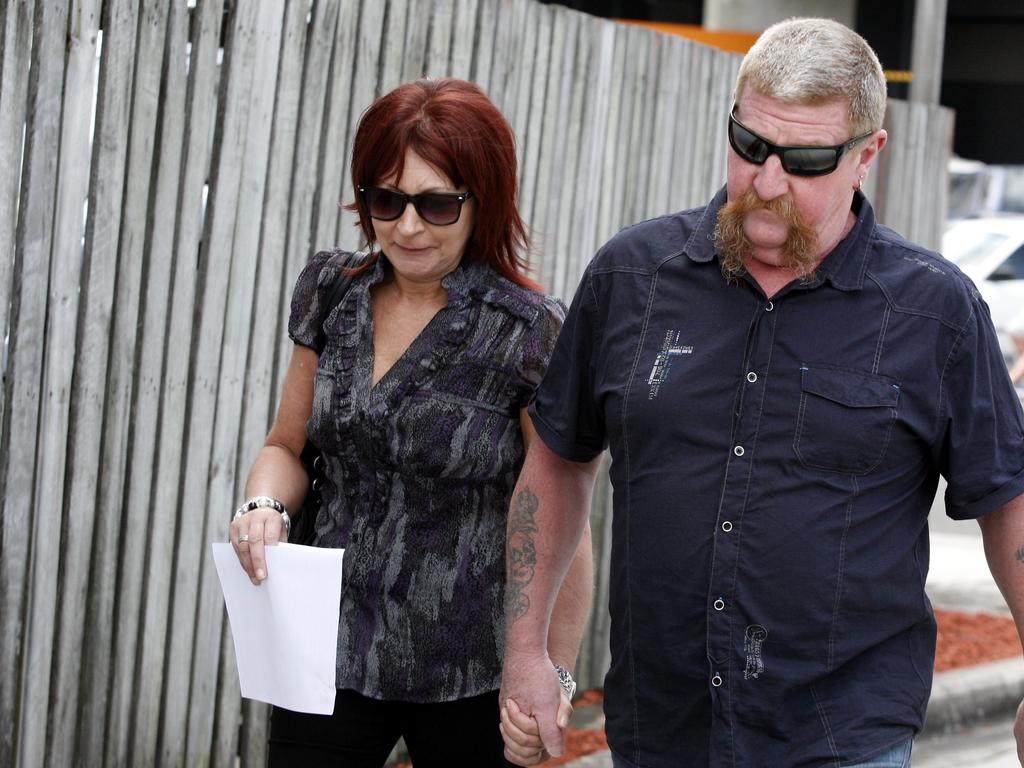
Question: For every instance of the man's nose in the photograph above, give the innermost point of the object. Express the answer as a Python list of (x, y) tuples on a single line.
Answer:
[(771, 181)]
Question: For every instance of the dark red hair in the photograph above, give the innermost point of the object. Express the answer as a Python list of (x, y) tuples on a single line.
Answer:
[(453, 126)]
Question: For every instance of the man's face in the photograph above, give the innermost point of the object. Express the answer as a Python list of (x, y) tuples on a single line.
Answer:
[(821, 204)]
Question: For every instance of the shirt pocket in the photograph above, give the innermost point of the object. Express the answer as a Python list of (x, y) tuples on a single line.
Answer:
[(845, 419)]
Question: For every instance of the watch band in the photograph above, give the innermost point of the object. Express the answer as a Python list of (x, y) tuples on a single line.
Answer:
[(565, 680)]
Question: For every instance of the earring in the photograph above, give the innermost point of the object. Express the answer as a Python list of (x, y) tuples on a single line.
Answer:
[(860, 182)]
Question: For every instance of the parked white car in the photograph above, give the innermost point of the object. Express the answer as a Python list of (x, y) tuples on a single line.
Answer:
[(990, 251)]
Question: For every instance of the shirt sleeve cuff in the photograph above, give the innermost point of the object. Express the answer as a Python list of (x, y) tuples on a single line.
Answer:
[(567, 449), (971, 510)]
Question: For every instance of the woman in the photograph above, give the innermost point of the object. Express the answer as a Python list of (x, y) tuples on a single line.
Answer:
[(414, 389)]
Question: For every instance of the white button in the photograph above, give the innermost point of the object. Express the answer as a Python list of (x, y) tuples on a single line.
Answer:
[(726, 526), (751, 377), (716, 680), (769, 307), (719, 604), (738, 450)]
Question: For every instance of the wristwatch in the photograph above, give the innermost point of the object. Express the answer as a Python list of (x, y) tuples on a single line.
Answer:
[(565, 680)]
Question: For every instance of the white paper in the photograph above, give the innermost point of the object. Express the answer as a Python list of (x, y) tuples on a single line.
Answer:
[(286, 629)]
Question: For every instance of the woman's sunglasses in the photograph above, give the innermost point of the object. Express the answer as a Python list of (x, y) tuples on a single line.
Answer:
[(798, 161), (438, 208)]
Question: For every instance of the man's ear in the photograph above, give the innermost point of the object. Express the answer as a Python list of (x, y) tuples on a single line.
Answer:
[(869, 151)]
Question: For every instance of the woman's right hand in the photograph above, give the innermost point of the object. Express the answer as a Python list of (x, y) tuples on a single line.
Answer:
[(251, 533)]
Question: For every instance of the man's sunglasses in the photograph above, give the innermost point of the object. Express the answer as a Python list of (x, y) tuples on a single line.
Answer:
[(798, 161), (438, 208)]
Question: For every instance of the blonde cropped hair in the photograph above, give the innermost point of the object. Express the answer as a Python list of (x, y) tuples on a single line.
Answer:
[(810, 61)]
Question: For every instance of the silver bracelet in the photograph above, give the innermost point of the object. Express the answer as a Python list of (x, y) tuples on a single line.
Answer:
[(265, 501), (565, 680)]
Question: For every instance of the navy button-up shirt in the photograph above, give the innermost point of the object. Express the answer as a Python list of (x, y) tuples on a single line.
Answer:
[(773, 464)]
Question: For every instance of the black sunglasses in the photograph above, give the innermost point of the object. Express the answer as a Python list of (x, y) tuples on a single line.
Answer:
[(438, 208), (798, 161)]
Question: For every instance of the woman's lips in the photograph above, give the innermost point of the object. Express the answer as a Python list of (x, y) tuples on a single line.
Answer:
[(412, 249)]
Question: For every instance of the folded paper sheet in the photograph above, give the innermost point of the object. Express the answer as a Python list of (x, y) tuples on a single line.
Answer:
[(286, 629)]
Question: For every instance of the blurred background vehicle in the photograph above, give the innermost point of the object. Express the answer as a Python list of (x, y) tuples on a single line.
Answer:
[(990, 250), (980, 189)]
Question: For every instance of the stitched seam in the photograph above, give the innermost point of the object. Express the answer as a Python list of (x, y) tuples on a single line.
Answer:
[(625, 450), (953, 349), (826, 726), (881, 339), (839, 577), (913, 312)]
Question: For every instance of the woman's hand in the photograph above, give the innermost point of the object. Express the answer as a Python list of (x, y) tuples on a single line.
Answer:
[(522, 735), (250, 533)]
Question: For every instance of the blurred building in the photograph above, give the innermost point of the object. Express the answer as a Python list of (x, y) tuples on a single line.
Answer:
[(967, 54)]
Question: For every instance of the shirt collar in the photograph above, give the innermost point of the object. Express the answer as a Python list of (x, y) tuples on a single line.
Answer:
[(844, 267)]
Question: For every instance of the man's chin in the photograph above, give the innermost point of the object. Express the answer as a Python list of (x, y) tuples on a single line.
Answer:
[(766, 240), (770, 257)]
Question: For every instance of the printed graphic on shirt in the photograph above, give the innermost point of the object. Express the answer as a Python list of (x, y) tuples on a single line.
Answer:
[(752, 642), (670, 349)]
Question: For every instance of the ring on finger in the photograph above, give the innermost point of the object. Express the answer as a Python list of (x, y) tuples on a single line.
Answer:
[(243, 539)]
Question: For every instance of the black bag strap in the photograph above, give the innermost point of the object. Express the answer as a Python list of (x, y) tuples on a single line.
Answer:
[(337, 293)]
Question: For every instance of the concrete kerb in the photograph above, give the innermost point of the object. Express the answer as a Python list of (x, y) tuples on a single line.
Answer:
[(965, 697)]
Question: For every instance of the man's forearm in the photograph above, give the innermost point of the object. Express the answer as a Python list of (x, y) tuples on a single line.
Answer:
[(547, 518), (572, 606), (1003, 534)]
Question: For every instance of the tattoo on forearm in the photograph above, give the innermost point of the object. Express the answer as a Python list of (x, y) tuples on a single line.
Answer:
[(1020, 554), (521, 554)]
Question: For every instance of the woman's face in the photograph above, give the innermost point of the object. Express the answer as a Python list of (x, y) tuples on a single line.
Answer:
[(418, 251)]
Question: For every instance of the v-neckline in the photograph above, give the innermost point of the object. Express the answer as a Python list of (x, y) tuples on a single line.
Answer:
[(408, 353)]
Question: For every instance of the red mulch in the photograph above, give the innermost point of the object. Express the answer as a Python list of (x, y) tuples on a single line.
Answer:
[(965, 640), (969, 639)]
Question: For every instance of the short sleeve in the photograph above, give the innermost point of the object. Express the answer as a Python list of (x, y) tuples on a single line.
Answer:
[(982, 424), (538, 344), (313, 289), (564, 411)]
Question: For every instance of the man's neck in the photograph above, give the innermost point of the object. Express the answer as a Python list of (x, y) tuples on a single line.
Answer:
[(772, 278)]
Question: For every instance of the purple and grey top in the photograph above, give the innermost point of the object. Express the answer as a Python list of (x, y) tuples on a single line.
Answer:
[(420, 470)]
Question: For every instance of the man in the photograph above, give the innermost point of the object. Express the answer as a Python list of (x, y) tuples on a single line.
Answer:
[(780, 380)]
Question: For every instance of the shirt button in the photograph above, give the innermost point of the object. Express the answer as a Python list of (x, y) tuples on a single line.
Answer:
[(716, 680), (726, 526), (751, 377), (769, 307), (719, 604), (738, 450)]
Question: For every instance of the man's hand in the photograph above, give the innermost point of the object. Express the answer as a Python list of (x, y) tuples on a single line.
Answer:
[(530, 690)]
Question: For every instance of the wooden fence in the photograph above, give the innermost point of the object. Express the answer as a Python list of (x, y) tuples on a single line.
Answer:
[(166, 167)]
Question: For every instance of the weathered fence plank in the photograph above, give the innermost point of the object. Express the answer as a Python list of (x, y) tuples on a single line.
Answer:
[(596, 93), (464, 33), (394, 34), (364, 91), (164, 26), (530, 120), (16, 28), (83, 404), (31, 538), (302, 200), (331, 172), (439, 38)]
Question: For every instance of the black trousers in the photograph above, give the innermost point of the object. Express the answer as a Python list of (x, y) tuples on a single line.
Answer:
[(362, 732)]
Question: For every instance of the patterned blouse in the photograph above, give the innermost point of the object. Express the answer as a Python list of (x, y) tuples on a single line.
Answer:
[(420, 470)]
